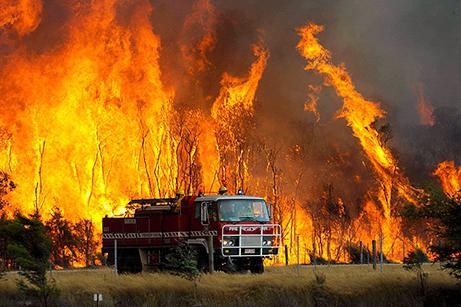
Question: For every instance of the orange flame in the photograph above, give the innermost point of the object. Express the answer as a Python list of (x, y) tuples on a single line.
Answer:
[(89, 124), (21, 17), (195, 49), (311, 105), (360, 114), (425, 109), (89, 119), (240, 92), (450, 177), (231, 111)]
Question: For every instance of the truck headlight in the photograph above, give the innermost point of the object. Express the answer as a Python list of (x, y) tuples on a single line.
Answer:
[(267, 243), (227, 242)]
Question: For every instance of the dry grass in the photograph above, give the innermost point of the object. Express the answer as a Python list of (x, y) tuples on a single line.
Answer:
[(279, 286)]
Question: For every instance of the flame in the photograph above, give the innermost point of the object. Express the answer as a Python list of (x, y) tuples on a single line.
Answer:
[(89, 124), (311, 105), (450, 177), (361, 115), (232, 111), (195, 49), (89, 119), (20, 17), (240, 92), (425, 110)]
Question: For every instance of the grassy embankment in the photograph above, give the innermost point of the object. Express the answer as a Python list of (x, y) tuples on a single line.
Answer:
[(279, 286)]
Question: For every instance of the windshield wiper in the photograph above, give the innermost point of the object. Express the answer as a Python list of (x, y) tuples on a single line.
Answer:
[(246, 218)]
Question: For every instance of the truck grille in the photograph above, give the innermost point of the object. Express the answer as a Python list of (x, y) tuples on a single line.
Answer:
[(250, 241)]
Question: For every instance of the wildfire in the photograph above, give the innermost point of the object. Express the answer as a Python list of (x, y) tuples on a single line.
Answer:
[(232, 111), (89, 124), (89, 120), (450, 177), (361, 115), (88, 117)]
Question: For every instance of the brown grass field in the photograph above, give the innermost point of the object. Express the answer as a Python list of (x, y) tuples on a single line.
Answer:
[(279, 286)]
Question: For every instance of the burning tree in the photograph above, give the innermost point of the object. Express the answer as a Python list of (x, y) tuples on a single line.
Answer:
[(64, 239), (330, 223), (86, 244), (233, 114), (185, 133), (6, 186)]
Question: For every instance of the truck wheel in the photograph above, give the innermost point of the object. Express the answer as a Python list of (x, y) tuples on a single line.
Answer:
[(230, 267), (129, 261), (202, 260), (257, 266)]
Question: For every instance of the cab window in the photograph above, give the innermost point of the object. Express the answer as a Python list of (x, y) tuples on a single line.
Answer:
[(197, 211)]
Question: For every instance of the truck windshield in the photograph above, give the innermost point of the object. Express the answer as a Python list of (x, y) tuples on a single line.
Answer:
[(242, 210)]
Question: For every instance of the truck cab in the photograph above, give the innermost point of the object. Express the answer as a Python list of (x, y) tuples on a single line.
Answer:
[(245, 234)]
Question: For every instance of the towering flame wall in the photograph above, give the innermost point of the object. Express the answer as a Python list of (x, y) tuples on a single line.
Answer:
[(88, 124), (86, 120)]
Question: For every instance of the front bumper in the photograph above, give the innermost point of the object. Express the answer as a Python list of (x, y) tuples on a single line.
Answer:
[(250, 240), (250, 252)]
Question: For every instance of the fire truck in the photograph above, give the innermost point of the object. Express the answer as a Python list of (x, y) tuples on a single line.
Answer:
[(232, 233)]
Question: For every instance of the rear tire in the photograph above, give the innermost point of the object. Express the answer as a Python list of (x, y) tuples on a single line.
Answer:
[(202, 260), (129, 261)]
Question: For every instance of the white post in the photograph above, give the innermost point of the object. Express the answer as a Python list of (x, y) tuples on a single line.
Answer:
[(381, 252), (210, 255), (297, 251), (115, 257), (314, 250)]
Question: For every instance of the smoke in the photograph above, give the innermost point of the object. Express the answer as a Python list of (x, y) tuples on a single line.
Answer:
[(390, 48)]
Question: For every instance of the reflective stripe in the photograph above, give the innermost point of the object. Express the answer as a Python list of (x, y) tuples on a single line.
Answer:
[(156, 235)]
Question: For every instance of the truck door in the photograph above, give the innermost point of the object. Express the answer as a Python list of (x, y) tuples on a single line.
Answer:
[(199, 225)]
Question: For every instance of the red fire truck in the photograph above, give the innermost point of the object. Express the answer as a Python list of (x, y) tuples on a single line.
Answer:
[(227, 232)]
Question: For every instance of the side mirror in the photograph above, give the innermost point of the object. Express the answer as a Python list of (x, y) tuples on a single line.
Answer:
[(204, 219), (269, 208)]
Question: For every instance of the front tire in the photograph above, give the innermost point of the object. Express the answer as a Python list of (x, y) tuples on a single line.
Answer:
[(257, 266)]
